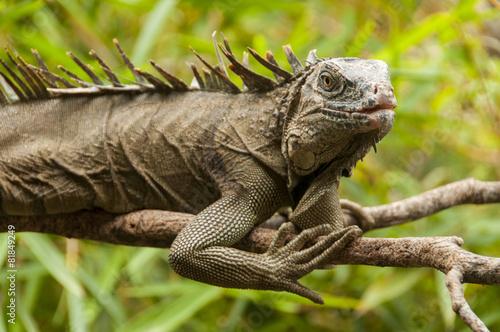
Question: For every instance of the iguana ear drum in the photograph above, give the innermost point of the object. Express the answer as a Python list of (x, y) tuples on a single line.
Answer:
[(302, 158)]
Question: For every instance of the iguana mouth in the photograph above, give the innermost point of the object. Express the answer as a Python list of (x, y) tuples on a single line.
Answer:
[(371, 118)]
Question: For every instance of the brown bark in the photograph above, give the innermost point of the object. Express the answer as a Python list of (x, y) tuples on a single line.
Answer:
[(468, 191), (155, 228)]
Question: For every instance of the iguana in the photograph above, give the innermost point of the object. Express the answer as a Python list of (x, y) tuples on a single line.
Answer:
[(232, 156)]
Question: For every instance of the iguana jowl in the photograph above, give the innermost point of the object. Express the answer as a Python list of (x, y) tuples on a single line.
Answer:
[(233, 157)]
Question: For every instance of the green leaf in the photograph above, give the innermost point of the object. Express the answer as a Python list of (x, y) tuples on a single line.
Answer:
[(169, 314), (415, 35), (9, 15), (359, 41), (153, 26), (137, 264), (52, 259), (388, 288), (77, 321), (3, 248), (104, 296), (26, 317)]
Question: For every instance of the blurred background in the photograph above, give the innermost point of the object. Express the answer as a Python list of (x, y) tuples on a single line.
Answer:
[(445, 67)]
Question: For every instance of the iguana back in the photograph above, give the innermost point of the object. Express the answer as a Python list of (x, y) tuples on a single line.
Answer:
[(119, 152)]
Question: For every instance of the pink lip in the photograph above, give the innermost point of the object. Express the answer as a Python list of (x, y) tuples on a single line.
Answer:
[(374, 110), (356, 114), (369, 119)]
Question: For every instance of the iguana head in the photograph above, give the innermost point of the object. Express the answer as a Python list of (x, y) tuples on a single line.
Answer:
[(340, 109)]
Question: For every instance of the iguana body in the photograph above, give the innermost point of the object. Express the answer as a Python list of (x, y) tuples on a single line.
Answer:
[(233, 158), (123, 153)]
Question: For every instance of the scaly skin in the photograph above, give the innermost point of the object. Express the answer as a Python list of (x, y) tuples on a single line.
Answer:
[(234, 159), (122, 153)]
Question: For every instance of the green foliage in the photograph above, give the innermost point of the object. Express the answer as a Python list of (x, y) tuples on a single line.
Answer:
[(447, 128)]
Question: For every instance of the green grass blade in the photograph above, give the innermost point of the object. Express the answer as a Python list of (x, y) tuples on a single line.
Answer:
[(76, 313), (170, 314), (3, 248), (9, 15), (377, 293), (52, 259), (109, 302), (153, 25), (25, 316)]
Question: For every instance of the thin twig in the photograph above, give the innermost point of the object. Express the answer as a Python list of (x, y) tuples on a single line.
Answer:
[(468, 191), (458, 302), (495, 4)]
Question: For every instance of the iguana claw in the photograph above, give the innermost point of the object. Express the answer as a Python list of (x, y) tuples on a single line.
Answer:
[(290, 262)]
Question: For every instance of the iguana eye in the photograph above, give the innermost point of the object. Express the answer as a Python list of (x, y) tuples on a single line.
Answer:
[(327, 81), (330, 83)]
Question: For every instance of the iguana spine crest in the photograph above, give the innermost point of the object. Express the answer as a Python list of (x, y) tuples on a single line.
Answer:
[(32, 83)]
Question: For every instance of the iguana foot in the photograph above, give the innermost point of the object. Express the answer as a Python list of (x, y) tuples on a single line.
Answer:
[(365, 219), (290, 262)]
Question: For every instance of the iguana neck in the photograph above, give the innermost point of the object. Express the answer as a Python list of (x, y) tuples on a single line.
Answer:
[(258, 122)]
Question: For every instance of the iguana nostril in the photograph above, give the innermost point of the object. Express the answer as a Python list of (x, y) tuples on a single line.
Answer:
[(384, 96)]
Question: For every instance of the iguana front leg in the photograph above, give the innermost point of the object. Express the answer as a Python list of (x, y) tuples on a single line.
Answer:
[(202, 250), (320, 205)]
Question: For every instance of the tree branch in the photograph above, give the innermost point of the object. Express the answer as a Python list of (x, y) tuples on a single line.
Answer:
[(467, 191), (156, 228), (458, 302)]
